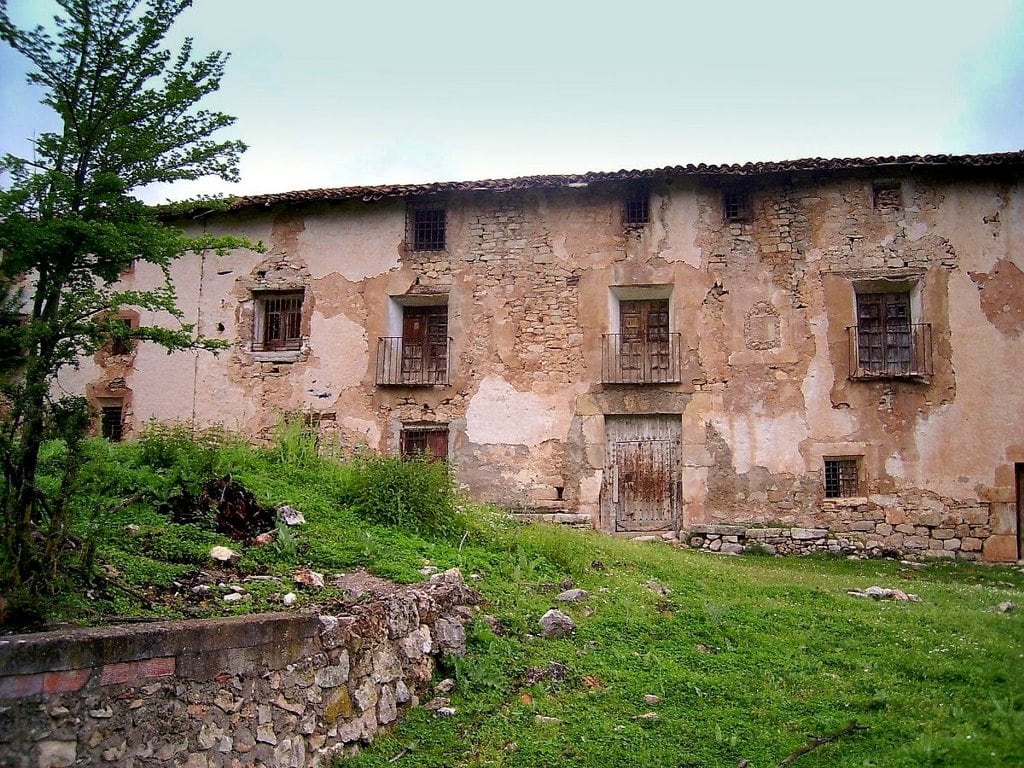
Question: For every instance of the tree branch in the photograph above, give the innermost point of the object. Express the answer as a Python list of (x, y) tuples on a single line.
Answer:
[(814, 743)]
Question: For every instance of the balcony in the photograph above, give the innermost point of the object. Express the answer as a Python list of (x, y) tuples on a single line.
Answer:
[(894, 352), (404, 362), (630, 359)]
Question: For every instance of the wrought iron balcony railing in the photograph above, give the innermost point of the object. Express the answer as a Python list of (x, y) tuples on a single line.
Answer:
[(405, 362), (630, 359), (895, 351)]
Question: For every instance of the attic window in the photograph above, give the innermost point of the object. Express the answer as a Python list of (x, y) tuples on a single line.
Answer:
[(637, 208), (737, 206), (427, 227), (885, 196)]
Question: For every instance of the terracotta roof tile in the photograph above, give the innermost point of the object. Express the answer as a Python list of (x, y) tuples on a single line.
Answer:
[(371, 193)]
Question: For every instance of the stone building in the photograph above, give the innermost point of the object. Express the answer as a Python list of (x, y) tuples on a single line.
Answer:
[(806, 354)]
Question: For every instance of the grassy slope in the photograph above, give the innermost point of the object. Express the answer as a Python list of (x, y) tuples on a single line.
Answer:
[(938, 683)]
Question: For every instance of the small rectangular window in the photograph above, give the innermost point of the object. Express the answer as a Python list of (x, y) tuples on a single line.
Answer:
[(425, 440), (841, 478), (112, 422), (278, 323), (427, 227), (886, 196), (637, 208), (120, 340), (738, 206)]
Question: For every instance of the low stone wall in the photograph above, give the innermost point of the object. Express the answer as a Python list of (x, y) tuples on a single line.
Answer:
[(737, 539), (267, 690)]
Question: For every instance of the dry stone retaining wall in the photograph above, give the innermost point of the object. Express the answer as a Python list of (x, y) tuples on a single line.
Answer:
[(267, 690)]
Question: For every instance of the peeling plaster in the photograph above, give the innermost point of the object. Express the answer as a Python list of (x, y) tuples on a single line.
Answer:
[(823, 420), (762, 441), (363, 427), (499, 414), (342, 351), (356, 245)]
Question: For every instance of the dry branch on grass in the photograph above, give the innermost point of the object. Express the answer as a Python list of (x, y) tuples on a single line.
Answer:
[(813, 744)]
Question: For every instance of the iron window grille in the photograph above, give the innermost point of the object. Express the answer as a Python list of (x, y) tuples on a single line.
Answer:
[(278, 324), (425, 441), (112, 423), (637, 208), (841, 478), (738, 206), (427, 228)]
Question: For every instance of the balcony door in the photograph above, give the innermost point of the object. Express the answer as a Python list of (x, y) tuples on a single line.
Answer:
[(644, 331), (884, 334), (425, 344)]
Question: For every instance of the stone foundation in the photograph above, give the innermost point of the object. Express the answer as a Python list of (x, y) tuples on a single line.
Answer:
[(861, 539), (268, 690)]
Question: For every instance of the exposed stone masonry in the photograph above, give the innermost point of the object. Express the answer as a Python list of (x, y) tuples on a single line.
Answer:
[(281, 691)]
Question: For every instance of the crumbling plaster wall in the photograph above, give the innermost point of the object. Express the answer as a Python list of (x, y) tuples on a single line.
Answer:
[(762, 308)]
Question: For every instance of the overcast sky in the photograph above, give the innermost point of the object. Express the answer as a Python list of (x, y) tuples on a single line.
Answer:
[(337, 93)]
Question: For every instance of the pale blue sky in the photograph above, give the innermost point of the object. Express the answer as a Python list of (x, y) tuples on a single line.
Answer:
[(336, 93)]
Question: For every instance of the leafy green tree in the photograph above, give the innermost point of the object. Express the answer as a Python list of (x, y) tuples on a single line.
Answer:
[(70, 224)]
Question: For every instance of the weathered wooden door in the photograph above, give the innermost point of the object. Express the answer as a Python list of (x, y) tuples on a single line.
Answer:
[(884, 334), (641, 489), (644, 343), (425, 345), (1020, 511)]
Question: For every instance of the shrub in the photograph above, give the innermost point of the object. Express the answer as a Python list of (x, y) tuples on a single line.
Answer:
[(417, 494)]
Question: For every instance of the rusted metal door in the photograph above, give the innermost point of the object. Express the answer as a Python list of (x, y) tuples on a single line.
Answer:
[(642, 475)]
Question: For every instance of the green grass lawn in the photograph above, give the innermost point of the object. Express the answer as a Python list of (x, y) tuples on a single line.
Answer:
[(748, 655)]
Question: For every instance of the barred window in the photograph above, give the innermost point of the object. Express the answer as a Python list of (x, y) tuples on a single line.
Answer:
[(738, 206), (278, 322), (112, 422), (637, 208), (427, 228), (841, 478), (425, 440)]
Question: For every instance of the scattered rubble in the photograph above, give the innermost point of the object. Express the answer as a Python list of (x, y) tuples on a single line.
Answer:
[(651, 699), (289, 599), (309, 578), (884, 593), (554, 624), (1006, 607), (572, 596), (658, 588), (554, 671), (290, 516), (224, 555)]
